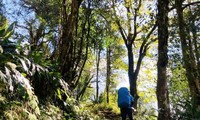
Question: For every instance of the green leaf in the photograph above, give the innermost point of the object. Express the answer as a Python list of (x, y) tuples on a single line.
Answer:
[(2, 76), (32, 117), (3, 28), (59, 94), (24, 74), (10, 30), (24, 65), (141, 94), (3, 59)]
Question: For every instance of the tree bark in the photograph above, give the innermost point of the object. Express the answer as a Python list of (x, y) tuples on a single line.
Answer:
[(132, 76), (66, 42), (97, 75), (162, 89), (108, 74), (189, 60), (85, 35)]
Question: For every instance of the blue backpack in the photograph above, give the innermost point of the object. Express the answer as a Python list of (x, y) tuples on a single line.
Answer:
[(124, 98)]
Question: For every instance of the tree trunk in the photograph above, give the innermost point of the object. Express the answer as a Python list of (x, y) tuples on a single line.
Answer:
[(129, 37), (162, 89), (190, 64), (131, 75), (66, 42), (82, 91), (85, 35), (108, 74), (97, 76)]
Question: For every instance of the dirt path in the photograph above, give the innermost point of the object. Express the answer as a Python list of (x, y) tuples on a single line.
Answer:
[(109, 115)]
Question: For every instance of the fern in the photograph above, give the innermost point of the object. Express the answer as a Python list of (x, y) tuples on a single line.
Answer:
[(24, 82)]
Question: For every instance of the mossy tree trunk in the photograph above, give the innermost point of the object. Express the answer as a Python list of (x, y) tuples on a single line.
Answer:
[(67, 57), (191, 62), (162, 89)]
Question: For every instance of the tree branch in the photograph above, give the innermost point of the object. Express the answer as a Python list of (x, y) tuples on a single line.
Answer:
[(151, 31), (122, 32), (135, 24), (186, 5), (193, 3)]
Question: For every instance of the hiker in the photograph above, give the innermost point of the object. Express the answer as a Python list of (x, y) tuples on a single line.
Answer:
[(125, 101)]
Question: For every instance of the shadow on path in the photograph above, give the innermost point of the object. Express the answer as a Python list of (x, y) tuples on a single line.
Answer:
[(109, 115)]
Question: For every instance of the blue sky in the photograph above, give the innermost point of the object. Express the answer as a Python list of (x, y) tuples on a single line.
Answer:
[(14, 12)]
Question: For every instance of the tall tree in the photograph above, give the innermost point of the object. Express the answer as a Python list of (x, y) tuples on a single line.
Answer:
[(67, 42), (130, 34), (190, 53), (162, 89), (108, 72), (98, 58), (70, 41)]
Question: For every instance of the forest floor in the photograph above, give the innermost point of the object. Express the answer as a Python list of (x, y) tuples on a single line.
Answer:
[(109, 115)]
